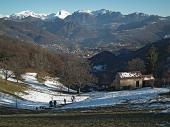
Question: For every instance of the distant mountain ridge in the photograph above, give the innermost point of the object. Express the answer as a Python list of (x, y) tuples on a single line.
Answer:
[(86, 29), (63, 13), (24, 14), (60, 14)]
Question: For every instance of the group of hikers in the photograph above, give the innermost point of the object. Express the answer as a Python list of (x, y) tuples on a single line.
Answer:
[(54, 102)]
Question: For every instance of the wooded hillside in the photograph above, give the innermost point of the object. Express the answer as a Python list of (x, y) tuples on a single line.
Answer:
[(20, 57)]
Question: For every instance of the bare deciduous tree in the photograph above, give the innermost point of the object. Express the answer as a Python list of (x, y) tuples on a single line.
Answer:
[(136, 64), (5, 67), (17, 65), (77, 72)]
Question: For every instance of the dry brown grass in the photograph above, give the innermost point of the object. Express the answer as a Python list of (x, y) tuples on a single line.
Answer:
[(86, 120), (11, 87)]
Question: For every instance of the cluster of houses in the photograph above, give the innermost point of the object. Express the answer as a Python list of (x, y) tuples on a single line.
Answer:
[(132, 80)]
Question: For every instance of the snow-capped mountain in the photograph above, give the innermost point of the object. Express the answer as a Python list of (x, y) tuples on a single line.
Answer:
[(84, 11), (101, 12), (99, 27), (95, 13), (2, 16), (24, 14), (62, 14)]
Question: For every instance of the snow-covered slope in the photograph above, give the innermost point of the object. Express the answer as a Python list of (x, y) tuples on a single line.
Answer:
[(11, 101), (38, 94), (114, 98), (49, 83), (49, 90)]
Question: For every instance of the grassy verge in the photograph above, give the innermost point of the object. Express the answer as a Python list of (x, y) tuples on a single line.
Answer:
[(12, 111), (26, 118), (11, 87), (166, 95), (86, 120)]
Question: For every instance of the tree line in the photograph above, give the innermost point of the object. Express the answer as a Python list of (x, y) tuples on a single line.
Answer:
[(148, 65), (155, 60)]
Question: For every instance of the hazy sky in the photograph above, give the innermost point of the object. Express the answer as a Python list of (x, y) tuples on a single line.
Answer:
[(158, 7)]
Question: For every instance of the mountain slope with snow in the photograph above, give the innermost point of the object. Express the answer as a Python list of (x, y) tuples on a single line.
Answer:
[(101, 12), (62, 14), (24, 14), (84, 11)]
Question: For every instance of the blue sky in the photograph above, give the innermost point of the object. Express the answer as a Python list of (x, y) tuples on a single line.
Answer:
[(158, 7)]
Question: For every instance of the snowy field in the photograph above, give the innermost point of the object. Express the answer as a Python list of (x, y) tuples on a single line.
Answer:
[(112, 98), (39, 94)]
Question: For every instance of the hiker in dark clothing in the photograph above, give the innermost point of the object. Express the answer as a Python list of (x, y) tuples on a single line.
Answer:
[(55, 103), (50, 104), (64, 101), (73, 98)]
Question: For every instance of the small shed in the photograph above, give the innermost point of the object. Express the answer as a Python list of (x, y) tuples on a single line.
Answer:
[(148, 80), (132, 80)]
